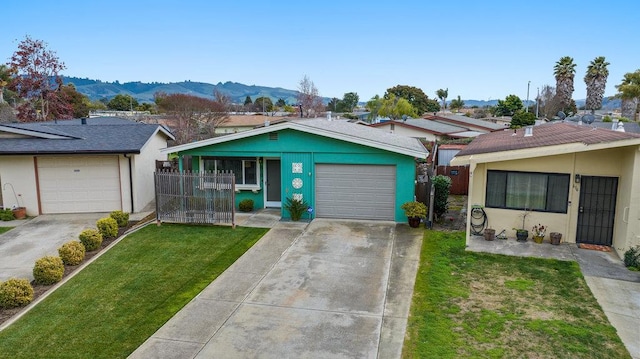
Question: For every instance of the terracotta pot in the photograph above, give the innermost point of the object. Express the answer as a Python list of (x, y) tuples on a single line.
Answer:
[(20, 212), (489, 234), (555, 237), (414, 222), (538, 239)]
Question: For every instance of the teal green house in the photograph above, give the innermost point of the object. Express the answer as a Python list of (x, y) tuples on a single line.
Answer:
[(341, 169)]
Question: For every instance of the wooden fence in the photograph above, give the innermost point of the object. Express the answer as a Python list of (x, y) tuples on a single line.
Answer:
[(459, 178), (195, 197)]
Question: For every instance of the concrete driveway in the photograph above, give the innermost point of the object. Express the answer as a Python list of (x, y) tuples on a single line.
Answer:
[(329, 289), (37, 237)]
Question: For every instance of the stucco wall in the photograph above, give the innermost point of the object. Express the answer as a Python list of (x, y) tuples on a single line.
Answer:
[(623, 163), (19, 172), (143, 166)]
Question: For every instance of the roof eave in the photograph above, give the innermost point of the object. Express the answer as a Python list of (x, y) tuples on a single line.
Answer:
[(543, 151)]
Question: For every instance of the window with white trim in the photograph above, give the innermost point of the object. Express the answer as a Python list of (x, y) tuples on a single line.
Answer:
[(544, 192), (246, 170)]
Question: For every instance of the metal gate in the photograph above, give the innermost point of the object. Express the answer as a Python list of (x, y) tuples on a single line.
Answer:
[(195, 197), (596, 212)]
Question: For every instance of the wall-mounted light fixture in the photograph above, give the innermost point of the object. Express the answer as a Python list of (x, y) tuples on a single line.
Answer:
[(576, 179)]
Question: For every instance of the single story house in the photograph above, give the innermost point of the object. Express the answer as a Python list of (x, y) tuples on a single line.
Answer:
[(424, 129), (474, 125), (341, 169), (239, 123), (80, 165), (578, 180)]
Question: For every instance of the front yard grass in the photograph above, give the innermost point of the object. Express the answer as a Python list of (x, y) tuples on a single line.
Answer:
[(118, 301), (475, 305), (5, 229)]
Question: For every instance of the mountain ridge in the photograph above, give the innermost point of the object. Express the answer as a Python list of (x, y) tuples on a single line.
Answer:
[(144, 91)]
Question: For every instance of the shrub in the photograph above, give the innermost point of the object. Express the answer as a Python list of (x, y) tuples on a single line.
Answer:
[(246, 205), (296, 208), (48, 270), (91, 239), (122, 218), (72, 253), (632, 257), (442, 186), (6, 215), (15, 293), (108, 227), (607, 118)]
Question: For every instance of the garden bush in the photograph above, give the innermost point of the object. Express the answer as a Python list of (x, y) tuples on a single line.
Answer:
[(72, 253), (442, 186), (122, 218), (108, 227), (6, 215), (15, 293), (246, 205), (632, 258), (48, 270), (91, 239)]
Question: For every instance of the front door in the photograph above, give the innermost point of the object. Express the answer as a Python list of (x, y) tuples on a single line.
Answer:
[(596, 211), (272, 183)]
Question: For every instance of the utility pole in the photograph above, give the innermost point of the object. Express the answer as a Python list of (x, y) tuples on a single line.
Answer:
[(526, 107), (537, 102)]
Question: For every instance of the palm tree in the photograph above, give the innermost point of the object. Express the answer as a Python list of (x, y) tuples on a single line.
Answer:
[(596, 81), (442, 95), (564, 71), (629, 92)]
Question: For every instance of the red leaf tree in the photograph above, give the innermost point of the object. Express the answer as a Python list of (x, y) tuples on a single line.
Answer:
[(38, 83)]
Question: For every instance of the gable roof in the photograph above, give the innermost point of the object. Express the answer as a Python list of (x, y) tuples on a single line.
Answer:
[(465, 121), (546, 139), (98, 136), (420, 124), (251, 120), (336, 129)]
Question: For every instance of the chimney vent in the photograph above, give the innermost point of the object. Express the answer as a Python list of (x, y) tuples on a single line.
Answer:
[(328, 115)]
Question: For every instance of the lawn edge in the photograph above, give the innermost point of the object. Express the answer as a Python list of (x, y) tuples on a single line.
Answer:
[(31, 305)]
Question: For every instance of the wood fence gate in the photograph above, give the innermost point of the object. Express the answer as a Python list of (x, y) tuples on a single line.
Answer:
[(195, 197)]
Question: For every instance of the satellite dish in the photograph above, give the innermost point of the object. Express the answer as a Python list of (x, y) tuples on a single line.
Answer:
[(562, 115), (588, 119)]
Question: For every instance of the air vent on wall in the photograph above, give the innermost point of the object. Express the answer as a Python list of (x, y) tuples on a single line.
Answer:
[(273, 136)]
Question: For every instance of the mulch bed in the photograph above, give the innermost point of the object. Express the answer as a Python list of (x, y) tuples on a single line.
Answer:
[(39, 289)]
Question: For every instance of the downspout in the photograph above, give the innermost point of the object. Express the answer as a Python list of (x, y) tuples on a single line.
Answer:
[(127, 156)]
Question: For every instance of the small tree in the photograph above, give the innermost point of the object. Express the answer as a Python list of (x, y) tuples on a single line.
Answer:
[(456, 104), (442, 186), (522, 119)]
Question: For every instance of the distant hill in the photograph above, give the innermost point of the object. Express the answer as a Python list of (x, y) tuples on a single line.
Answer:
[(143, 92)]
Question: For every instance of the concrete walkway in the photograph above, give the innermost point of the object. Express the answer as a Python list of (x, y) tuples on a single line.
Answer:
[(325, 289), (616, 288), (38, 237)]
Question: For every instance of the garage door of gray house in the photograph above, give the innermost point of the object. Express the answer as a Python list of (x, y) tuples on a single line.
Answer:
[(355, 191)]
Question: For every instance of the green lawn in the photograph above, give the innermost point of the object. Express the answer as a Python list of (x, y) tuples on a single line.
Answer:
[(473, 305), (117, 302), (5, 229)]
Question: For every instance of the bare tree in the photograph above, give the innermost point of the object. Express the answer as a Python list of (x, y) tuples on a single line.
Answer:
[(308, 98), (548, 103), (193, 118)]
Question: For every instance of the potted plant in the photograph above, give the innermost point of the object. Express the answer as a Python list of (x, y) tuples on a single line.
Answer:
[(489, 234), (414, 211), (521, 233), (555, 238), (538, 233)]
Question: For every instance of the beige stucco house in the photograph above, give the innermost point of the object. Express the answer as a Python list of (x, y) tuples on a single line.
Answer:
[(81, 165), (581, 181)]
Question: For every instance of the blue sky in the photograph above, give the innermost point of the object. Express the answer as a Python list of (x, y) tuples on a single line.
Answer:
[(477, 49)]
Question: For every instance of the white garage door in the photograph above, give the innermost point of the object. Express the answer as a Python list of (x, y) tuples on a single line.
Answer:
[(79, 184), (355, 191)]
